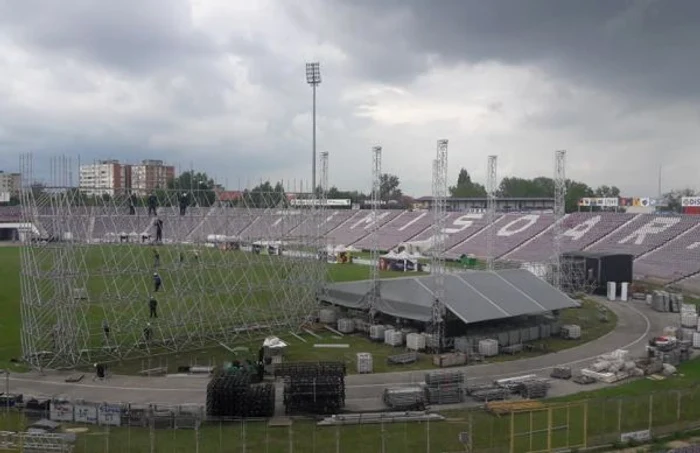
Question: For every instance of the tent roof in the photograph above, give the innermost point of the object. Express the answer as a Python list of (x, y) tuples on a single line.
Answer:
[(473, 296)]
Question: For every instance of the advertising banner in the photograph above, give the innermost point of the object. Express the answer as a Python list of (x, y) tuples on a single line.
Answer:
[(331, 203), (85, 414), (690, 201), (109, 414), (61, 411), (602, 202)]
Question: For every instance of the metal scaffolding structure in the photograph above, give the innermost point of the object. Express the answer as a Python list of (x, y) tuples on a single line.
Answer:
[(559, 213), (114, 276), (438, 249), (491, 188), (374, 290), (324, 173)]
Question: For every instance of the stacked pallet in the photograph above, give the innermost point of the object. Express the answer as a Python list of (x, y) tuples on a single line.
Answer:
[(232, 395), (534, 389), (376, 332), (405, 398), (314, 388), (571, 332), (364, 363), (346, 325), (561, 372), (444, 387)]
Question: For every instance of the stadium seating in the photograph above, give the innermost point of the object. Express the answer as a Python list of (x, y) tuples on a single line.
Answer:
[(674, 260), (511, 230), (644, 233), (401, 229), (459, 226), (580, 229), (667, 248), (358, 226)]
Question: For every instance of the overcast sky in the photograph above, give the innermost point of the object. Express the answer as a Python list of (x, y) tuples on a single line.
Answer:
[(220, 84)]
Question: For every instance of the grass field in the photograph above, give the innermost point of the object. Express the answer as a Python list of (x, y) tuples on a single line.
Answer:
[(108, 289)]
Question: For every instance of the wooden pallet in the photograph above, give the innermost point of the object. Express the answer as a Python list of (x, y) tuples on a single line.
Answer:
[(506, 407)]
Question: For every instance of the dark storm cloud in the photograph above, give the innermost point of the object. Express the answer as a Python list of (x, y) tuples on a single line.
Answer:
[(129, 35), (624, 45)]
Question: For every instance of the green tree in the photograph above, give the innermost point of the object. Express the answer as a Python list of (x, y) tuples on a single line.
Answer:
[(353, 195), (607, 192), (466, 188), (672, 199), (389, 187), (265, 195), (197, 185), (576, 190)]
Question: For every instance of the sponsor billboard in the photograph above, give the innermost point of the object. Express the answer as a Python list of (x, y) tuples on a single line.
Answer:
[(602, 202), (330, 202), (690, 202)]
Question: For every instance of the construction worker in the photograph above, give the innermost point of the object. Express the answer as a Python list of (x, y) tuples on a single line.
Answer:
[(132, 204), (99, 371), (157, 282), (147, 333), (153, 307), (152, 204), (105, 329), (158, 223), (183, 204), (156, 258)]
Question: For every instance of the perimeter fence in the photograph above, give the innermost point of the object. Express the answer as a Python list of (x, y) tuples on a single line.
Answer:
[(570, 425)]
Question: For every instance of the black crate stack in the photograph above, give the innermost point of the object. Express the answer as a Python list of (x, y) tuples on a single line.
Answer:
[(232, 395), (313, 388), (444, 387)]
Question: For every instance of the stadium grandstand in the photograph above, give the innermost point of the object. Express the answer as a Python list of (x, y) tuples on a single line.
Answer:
[(666, 247)]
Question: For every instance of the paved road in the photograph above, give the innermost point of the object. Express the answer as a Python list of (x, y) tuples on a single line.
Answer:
[(636, 323)]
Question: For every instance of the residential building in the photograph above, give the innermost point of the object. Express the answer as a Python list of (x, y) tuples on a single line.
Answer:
[(10, 183), (105, 177), (150, 175), (110, 177)]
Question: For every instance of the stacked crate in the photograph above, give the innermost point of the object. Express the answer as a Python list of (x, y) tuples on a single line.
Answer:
[(444, 387)]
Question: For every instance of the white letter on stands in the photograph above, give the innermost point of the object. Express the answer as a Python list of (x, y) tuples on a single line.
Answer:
[(582, 228), (527, 220), (656, 226)]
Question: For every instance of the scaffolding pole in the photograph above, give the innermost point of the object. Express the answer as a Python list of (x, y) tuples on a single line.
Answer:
[(437, 261), (491, 188), (374, 290), (559, 213)]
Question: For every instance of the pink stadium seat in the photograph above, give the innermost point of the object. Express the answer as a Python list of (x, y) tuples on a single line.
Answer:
[(580, 229)]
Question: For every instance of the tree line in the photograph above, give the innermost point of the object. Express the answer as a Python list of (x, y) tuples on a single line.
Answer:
[(201, 191)]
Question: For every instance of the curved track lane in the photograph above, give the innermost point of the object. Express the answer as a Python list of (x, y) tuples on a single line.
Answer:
[(363, 392)]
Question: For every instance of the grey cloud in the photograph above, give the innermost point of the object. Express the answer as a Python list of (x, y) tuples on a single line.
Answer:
[(128, 35), (626, 46)]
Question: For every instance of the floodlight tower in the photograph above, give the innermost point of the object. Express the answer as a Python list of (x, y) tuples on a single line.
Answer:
[(374, 227), (559, 212), (437, 260), (491, 186), (313, 78)]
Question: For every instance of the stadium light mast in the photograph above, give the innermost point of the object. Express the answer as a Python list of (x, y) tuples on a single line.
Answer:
[(313, 78)]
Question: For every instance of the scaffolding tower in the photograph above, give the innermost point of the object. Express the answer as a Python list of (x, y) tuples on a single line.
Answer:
[(491, 188), (559, 213), (374, 290), (91, 260), (324, 174), (438, 249)]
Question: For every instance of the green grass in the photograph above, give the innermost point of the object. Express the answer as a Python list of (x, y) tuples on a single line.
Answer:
[(133, 286), (588, 418)]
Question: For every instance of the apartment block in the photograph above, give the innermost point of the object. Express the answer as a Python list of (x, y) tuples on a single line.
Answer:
[(150, 175), (10, 183), (110, 177)]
